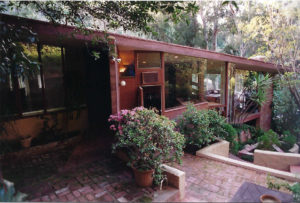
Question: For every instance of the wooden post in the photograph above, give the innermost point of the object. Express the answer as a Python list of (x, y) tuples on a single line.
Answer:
[(114, 75)]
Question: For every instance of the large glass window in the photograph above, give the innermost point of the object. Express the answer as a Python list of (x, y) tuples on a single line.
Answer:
[(239, 101), (148, 60), (30, 86), (27, 94), (215, 82), (53, 75), (184, 80), (7, 96), (191, 79)]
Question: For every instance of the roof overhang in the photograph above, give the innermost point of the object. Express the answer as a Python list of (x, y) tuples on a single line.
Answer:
[(62, 34)]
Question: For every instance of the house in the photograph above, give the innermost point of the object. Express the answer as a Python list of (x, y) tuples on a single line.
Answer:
[(73, 82)]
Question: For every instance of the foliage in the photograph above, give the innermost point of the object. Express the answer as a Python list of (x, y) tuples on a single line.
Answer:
[(255, 86), (200, 127), (288, 141), (149, 138), (267, 140), (128, 15), (274, 183), (286, 114), (13, 60)]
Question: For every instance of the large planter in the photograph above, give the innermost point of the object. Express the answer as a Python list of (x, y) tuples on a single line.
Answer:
[(143, 178)]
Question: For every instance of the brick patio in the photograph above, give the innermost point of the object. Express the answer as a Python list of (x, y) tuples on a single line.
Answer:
[(212, 181), (104, 178)]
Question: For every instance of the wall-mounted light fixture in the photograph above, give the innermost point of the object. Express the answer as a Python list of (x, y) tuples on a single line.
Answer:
[(116, 59), (123, 83)]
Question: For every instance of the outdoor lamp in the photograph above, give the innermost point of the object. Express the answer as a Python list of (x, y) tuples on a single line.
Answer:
[(123, 83)]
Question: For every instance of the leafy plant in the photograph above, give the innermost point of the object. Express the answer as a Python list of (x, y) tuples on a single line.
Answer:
[(268, 139), (149, 138), (274, 183), (200, 127), (288, 141)]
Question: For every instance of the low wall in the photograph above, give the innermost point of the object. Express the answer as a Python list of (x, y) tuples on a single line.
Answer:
[(173, 113), (276, 160), (176, 178), (219, 152), (33, 125), (220, 148)]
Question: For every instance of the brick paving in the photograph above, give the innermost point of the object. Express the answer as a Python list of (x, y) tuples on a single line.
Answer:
[(212, 181), (105, 179)]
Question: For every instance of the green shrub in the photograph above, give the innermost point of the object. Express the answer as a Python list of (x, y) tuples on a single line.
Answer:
[(267, 140), (231, 133), (288, 141), (200, 127)]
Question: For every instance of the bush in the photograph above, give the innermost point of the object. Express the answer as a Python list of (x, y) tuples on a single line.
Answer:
[(288, 141), (149, 138), (267, 140), (200, 127), (231, 133), (286, 115)]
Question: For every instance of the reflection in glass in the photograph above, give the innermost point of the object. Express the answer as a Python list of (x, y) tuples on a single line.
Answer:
[(215, 81), (30, 86), (184, 77), (53, 74), (126, 66), (149, 60)]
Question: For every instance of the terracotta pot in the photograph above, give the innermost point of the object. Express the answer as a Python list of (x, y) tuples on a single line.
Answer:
[(268, 198), (26, 142), (143, 178)]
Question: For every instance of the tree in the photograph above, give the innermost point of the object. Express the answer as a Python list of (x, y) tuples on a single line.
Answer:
[(280, 32), (129, 15)]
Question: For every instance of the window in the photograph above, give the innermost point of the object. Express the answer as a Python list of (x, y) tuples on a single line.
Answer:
[(30, 87), (126, 66), (27, 94), (214, 82), (149, 60), (53, 76), (240, 93), (8, 97), (184, 80)]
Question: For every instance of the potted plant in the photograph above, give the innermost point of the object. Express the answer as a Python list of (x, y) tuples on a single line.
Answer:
[(26, 141), (149, 139)]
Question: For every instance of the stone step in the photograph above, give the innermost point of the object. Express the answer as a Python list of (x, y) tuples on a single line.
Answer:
[(167, 194)]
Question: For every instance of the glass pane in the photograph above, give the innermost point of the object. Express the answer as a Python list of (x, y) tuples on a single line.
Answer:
[(184, 80), (7, 95), (31, 86), (215, 82), (126, 66), (53, 74), (149, 60)]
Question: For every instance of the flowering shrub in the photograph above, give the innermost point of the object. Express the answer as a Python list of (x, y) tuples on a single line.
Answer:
[(201, 127), (149, 138)]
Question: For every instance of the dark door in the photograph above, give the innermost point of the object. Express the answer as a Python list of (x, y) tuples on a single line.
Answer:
[(98, 90)]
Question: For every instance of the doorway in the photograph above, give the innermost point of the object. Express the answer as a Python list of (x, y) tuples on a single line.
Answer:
[(98, 90)]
